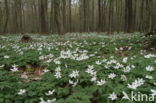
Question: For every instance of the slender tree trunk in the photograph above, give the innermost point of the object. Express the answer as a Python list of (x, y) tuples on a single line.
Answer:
[(20, 16), (43, 14), (52, 28), (64, 14), (58, 16), (99, 20), (128, 15), (70, 15), (1, 18), (7, 16)]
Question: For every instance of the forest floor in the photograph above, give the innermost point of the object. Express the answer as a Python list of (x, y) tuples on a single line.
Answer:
[(77, 68)]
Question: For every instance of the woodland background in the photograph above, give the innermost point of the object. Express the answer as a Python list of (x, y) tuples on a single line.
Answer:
[(61, 16)]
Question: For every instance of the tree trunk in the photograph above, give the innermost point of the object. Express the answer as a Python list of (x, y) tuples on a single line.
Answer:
[(43, 14), (7, 16), (128, 15), (58, 16)]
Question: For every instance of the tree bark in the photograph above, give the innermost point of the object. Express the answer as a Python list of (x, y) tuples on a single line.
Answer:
[(43, 14), (7, 16), (58, 16)]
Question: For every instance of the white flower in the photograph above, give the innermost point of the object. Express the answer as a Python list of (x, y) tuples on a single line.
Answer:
[(112, 62), (148, 77), (121, 48), (150, 56), (153, 92), (58, 69), (125, 60), (50, 92), (112, 96), (57, 61), (48, 61), (106, 66), (93, 79), (90, 66), (123, 77), (116, 49), (82, 57), (6, 56), (119, 65), (48, 101), (45, 70), (91, 71), (149, 68), (14, 68), (74, 74), (21, 92), (104, 60), (1, 66), (112, 76), (138, 82), (133, 66), (39, 49), (50, 55), (66, 65), (73, 83), (41, 58), (127, 69), (98, 62), (101, 82), (129, 48), (65, 54), (58, 72), (58, 75)]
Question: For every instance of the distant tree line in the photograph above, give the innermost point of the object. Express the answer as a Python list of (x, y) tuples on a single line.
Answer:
[(61, 16)]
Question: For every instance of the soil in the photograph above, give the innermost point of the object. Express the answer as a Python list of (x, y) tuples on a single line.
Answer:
[(150, 45), (26, 38)]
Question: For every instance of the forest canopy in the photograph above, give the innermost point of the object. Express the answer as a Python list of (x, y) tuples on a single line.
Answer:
[(61, 16)]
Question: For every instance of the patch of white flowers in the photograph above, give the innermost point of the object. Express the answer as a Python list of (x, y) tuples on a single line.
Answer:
[(78, 55), (150, 56), (14, 68), (125, 60), (50, 92), (58, 72), (137, 83), (90, 70), (74, 74), (113, 96), (149, 68), (148, 77), (6, 57), (73, 83), (123, 77), (101, 82), (74, 55), (48, 101), (21, 92), (112, 76)]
